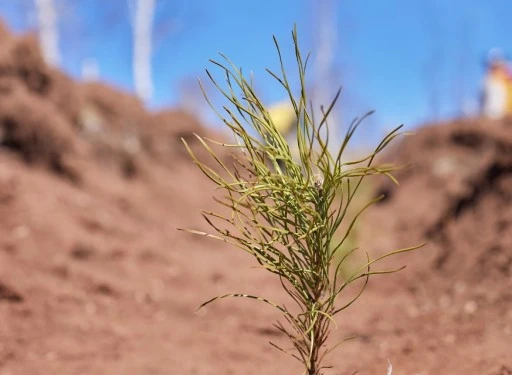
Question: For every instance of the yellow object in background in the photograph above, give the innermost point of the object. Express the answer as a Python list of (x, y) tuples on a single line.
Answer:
[(508, 110), (283, 116)]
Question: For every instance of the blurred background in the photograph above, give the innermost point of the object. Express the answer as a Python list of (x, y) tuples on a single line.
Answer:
[(95, 99), (413, 62)]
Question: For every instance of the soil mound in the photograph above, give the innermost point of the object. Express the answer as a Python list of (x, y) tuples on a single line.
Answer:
[(34, 122), (50, 120), (453, 301), (36, 131), (456, 195)]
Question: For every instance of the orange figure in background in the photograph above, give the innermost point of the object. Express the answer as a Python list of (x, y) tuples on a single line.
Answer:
[(508, 68), (497, 86)]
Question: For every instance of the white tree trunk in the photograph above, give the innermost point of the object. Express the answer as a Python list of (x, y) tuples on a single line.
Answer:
[(142, 48), (325, 42), (48, 31)]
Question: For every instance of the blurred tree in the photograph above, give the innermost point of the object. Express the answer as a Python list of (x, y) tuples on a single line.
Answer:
[(143, 12), (434, 65), (325, 39), (463, 104), (153, 22), (58, 24), (48, 30)]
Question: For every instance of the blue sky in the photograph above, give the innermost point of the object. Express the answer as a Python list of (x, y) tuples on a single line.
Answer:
[(393, 56)]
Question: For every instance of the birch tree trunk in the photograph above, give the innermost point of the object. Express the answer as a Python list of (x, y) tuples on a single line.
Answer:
[(48, 31), (325, 43), (142, 48), (434, 66)]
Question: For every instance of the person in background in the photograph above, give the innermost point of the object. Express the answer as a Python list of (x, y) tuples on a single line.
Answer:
[(497, 86), (508, 73)]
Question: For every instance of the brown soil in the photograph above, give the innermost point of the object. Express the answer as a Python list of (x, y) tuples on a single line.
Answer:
[(95, 278), (456, 194)]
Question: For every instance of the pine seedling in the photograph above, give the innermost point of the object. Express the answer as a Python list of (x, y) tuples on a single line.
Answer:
[(287, 212)]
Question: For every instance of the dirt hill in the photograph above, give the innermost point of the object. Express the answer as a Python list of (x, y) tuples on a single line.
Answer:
[(95, 279), (455, 193)]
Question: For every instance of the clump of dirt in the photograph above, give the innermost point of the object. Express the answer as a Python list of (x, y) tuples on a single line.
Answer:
[(114, 118), (34, 121), (36, 131), (8, 294), (21, 60), (172, 127)]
